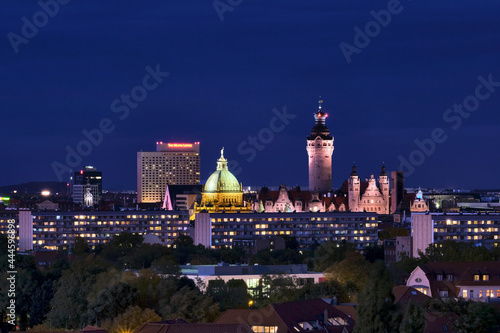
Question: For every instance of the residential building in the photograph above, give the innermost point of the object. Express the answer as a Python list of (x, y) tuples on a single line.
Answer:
[(298, 316), (217, 230), (478, 281), (49, 230), (172, 164), (428, 228), (254, 245)]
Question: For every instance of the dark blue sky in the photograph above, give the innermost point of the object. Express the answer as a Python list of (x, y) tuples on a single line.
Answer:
[(226, 77)]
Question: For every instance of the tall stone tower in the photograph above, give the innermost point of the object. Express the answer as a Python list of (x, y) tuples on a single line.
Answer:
[(354, 188), (320, 150), (384, 188)]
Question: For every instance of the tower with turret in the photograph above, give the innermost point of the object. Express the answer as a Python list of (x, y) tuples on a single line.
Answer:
[(383, 182), (354, 188), (320, 150)]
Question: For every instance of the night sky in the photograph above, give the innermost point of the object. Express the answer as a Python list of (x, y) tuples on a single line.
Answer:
[(226, 77)]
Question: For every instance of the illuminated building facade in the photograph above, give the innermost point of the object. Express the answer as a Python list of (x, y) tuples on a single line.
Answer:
[(87, 181), (297, 200), (53, 229), (428, 228), (222, 229), (367, 196), (222, 192), (250, 274), (172, 163)]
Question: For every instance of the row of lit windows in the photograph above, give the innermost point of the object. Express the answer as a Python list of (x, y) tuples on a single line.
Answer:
[(289, 219), (451, 222), (488, 293), (475, 230)]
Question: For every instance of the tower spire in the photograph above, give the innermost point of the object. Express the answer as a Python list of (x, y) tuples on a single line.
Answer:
[(320, 102)]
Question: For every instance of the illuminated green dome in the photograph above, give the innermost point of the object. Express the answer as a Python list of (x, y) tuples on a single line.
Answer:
[(222, 180)]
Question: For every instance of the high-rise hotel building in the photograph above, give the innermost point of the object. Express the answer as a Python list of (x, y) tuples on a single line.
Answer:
[(172, 164)]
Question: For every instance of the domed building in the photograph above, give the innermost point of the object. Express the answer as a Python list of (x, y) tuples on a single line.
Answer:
[(222, 191)]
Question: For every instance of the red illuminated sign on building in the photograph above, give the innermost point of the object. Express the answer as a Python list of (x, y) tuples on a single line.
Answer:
[(180, 145)]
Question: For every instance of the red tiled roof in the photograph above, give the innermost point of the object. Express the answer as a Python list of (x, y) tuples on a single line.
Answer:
[(337, 202), (293, 194), (403, 294)]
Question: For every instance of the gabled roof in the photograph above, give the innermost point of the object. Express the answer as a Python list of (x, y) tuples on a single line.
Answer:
[(337, 202), (403, 294), (293, 194), (287, 316)]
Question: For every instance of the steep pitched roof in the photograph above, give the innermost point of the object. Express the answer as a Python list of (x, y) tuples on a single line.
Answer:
[(403, 294), (337, 202), (288, 316)]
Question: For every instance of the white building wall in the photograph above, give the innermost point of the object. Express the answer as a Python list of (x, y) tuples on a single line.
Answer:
[(419, 281), (422, 231), (25, 231), (203, 230), (205, 279)]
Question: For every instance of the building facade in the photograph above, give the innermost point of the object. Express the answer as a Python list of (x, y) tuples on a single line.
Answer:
[(319, 150), (297, 200), (87, 186), (477, 281), (223, 229), (171, 163), (250, 274), (50, 230), (367, 196), (428, 228)]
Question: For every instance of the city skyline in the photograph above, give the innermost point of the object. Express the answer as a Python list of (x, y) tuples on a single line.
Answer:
[(225, 75)]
